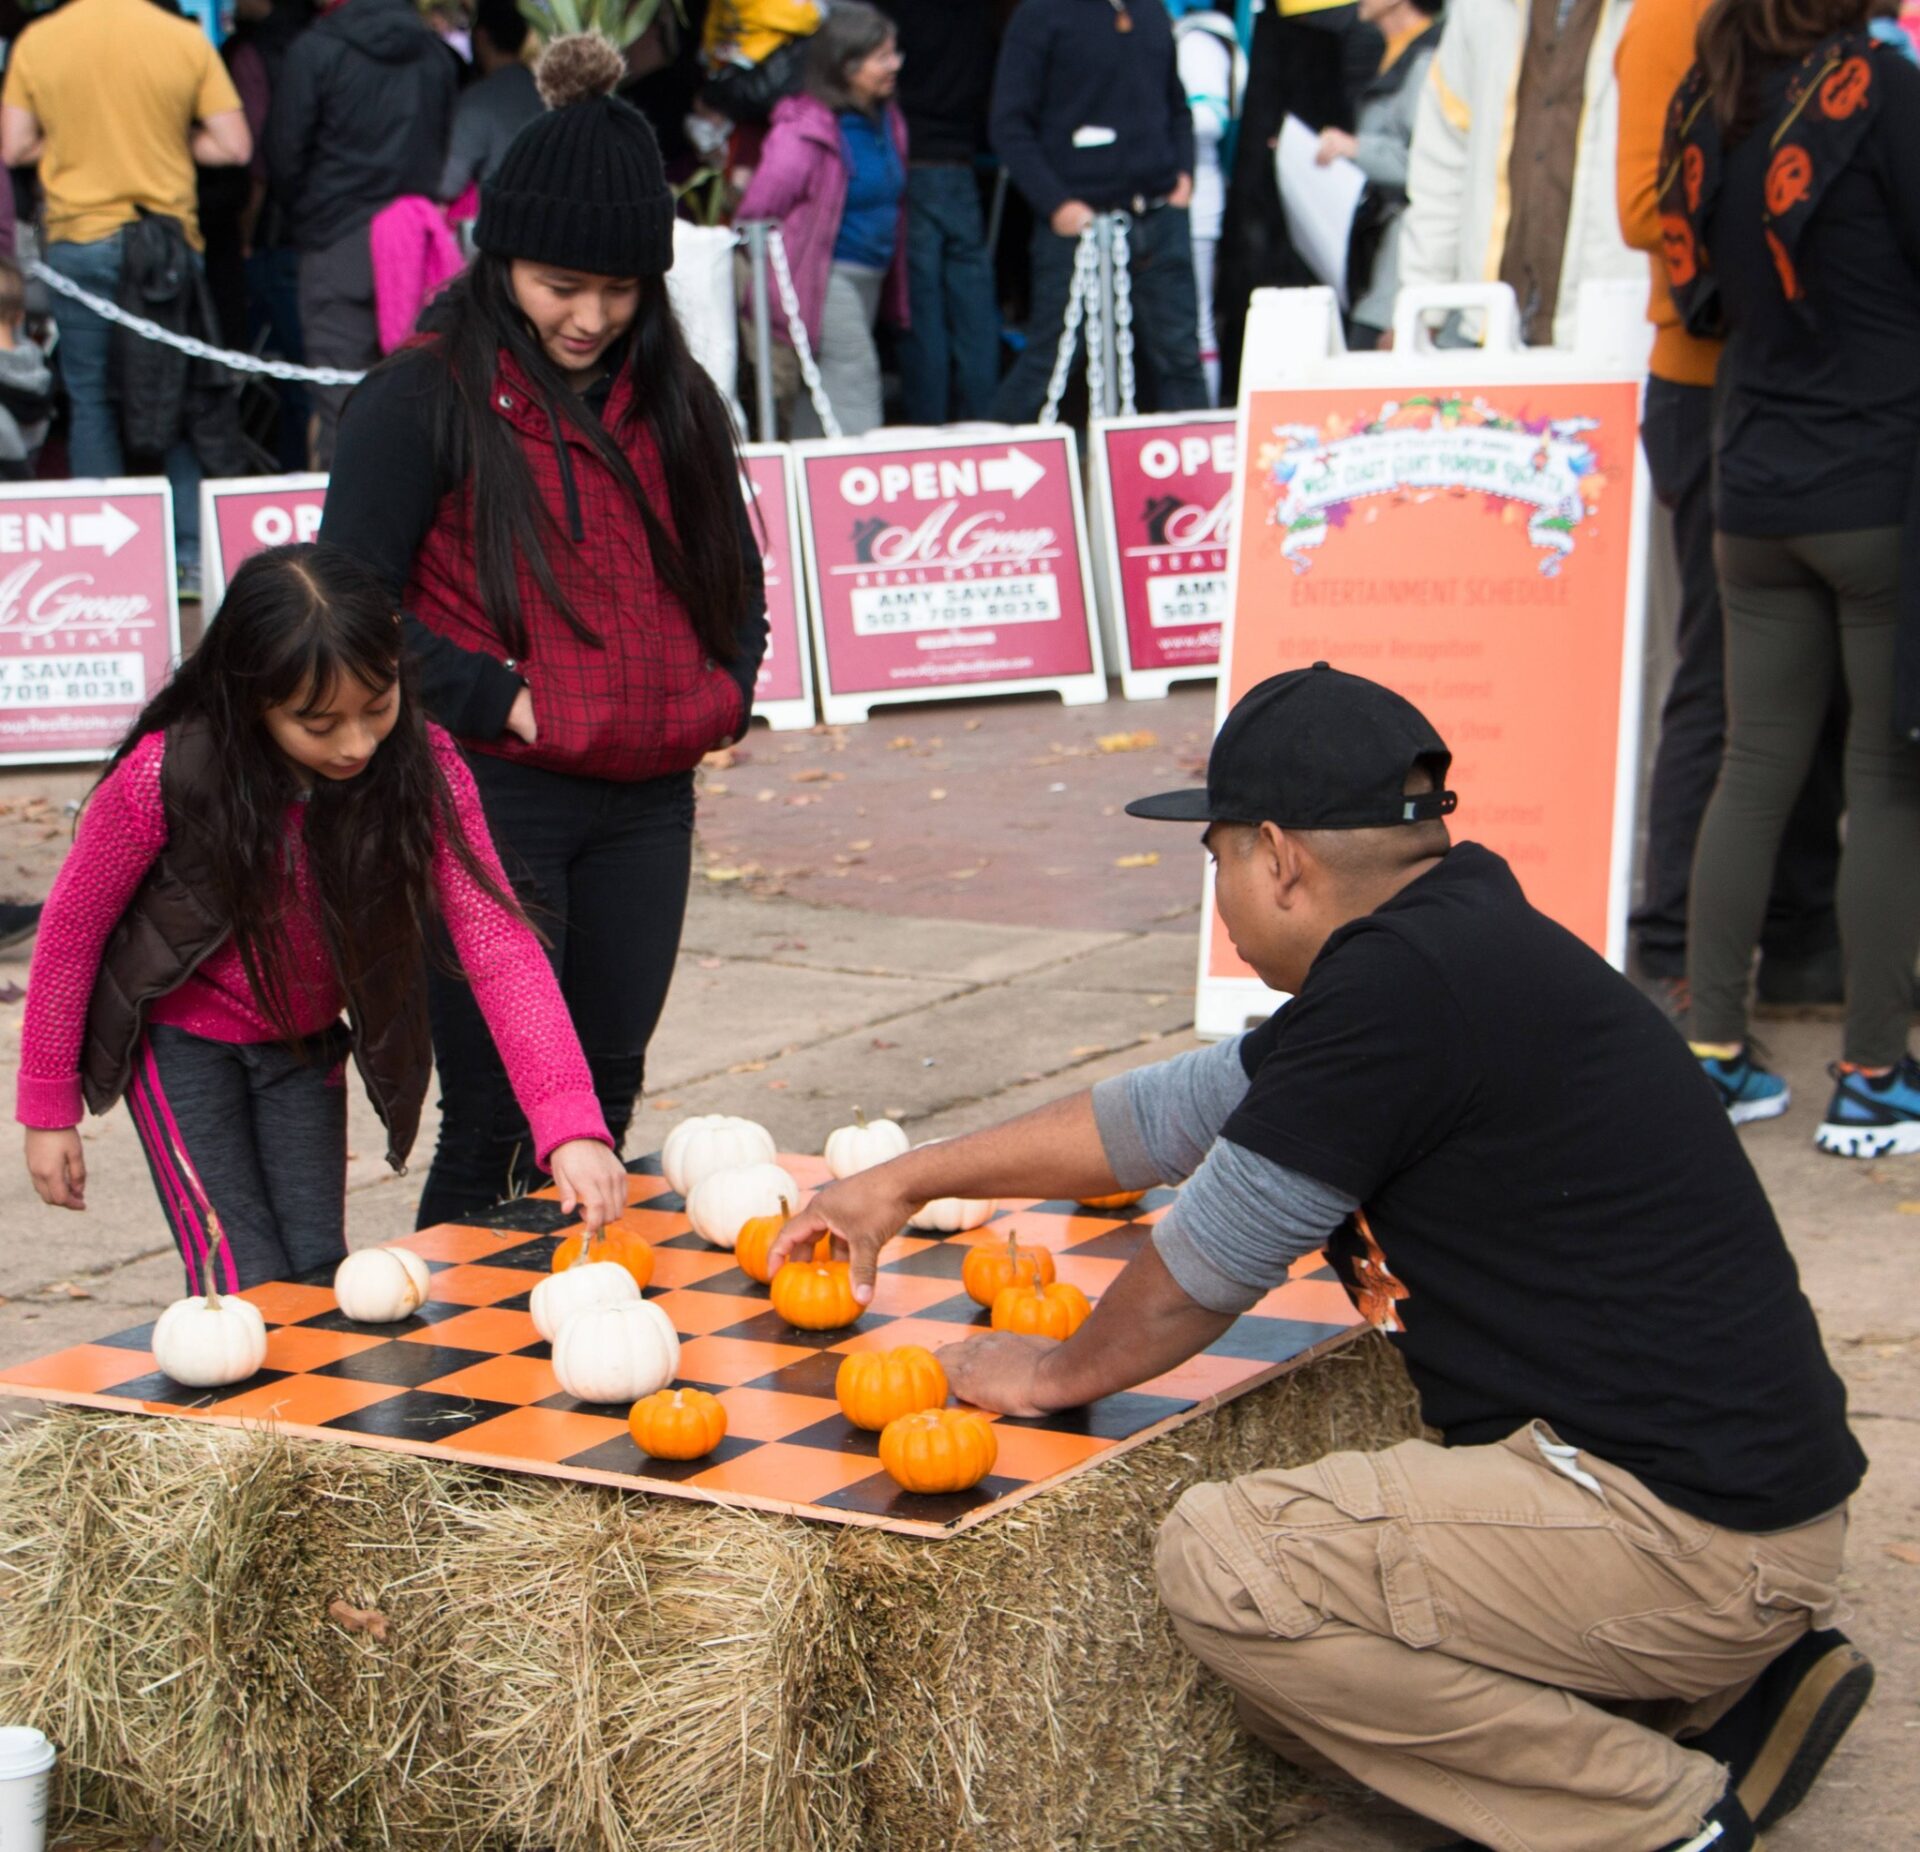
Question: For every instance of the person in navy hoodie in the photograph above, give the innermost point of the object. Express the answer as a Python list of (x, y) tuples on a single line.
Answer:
[(548, 481)]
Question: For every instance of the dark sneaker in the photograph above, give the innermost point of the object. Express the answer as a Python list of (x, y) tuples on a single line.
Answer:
[(1747, 1090), (18, 921), (1777, 1739), (1672, 995), (1872, 1116), (1726, 1829)]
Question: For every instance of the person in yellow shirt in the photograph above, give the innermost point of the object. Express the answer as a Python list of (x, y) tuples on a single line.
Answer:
[(1800, 947), (117, 100)]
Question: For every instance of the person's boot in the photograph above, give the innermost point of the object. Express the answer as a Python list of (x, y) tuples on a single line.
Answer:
[(1777, 1739), (1726, 1829)]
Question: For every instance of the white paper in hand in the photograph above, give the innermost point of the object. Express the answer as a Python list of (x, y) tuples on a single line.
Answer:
[(1320, 203)]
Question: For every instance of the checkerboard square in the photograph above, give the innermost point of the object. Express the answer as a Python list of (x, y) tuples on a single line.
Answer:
[(1121, 1243), (281, 1302), (777, 1469), (696, 1314), (301, 1347), (958, 1310), (939, 1260), (517, 1381), (1271, 1340), (541, 1434), (769, 1327), (804, 1375), (525, 1215), (420, 1414), (535, 1256), (404, 1366), (678, 1266), (498, 1330), (476, 1284), (728, 1360), (766, 1414), (883, 1497), (1113, 1417), (620, 1454), (727, 1281), (838, 1435), (306, 1401), (158, 1386), (455, 1241), (139, 1338), (902, 1295), (420, 1319)]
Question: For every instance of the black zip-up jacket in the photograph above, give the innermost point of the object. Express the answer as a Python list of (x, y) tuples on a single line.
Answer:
[(361, 116), (1066, 71), (947, 78)]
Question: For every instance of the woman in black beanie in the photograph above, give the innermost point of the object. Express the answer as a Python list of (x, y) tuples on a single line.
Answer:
[(548, 481)]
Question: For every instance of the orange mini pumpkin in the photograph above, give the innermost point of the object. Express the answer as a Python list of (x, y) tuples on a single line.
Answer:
[(620, 1245), (677, 1424), (1120, 1199), (939, 1449), (1055, 1311), (756, 1243), (989, 1271), (815, 1295), (878, 1386)]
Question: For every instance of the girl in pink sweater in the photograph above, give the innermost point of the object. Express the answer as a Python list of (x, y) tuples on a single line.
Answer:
[(282, 836)]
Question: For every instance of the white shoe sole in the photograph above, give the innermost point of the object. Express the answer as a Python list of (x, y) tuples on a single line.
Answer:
[(1750, 1112), (1868, 1141)]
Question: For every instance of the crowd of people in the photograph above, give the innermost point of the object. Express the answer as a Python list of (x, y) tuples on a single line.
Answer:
[(426, 793)]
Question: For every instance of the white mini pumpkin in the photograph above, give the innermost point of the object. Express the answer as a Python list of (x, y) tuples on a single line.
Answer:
[(863, 1144), (616, 1353), (699, 1146), (562, 1297), (948, 1215), (377, 1286), (210, 1339), (724, 1203)]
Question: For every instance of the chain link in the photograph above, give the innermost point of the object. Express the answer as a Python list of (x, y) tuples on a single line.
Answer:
[(1096, 331), (185, 343), (797, 333), (1123, 314), (1081, 290)]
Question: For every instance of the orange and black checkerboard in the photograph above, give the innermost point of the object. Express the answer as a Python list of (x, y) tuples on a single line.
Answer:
[(468, 1378)]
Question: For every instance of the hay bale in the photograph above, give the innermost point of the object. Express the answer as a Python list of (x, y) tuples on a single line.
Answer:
[(566, 1667)]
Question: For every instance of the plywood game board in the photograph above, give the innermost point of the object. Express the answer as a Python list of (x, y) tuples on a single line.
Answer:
[(468, 1378)]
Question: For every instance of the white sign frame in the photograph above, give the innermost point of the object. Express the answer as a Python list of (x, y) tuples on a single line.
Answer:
[(1136, 684), (1294, 339), (69, 488), (214, 576), (789, 716), (839, 709)]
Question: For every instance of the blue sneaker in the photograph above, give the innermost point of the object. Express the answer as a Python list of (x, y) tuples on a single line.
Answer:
[(1870, 1115), (1747, 1090)]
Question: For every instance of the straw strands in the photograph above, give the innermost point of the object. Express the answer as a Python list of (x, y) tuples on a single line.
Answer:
[(264, 1645)]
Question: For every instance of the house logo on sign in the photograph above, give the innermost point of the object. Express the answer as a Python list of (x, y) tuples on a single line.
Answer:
[(53, 591)]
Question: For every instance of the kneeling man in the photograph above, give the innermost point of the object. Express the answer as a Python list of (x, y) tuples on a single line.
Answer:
[(1592, 1620)]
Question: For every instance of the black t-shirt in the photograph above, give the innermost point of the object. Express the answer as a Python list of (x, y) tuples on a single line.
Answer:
[(1565, 1226), (1819, 423)]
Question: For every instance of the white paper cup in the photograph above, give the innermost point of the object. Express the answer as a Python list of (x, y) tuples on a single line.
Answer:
[(26, 1761)]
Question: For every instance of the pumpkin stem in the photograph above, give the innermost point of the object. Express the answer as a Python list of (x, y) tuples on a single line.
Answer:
[(860, 1118)]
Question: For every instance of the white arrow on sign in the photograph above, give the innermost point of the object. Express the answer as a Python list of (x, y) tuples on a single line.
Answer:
[(1016, 472), (109, 530)]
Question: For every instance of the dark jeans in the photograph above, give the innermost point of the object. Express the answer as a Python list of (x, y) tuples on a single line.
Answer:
[(602, 869), (1678, 434), (1803, 614), (273, 309), (950, 357), (338, 326), (1166, 318)]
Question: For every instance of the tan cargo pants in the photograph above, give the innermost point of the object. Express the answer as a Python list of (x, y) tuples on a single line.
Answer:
[(1486, 1640)]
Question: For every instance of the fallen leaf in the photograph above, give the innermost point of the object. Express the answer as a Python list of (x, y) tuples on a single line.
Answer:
[(1156, 999), (937, 794), (724, 874), (748, 1067), (777, 1086), (1139, 741), (1124, 861), (807, 775), (973, 726), (961, 874), (711, 964), (765, 797), (72, 1291), (1910, 1208), (877, 1042), (900, 742), (1088, 1048), (720, 759), (715, 790), (1905, 1553), (369, 1621), (665, 1103), (848, 861)]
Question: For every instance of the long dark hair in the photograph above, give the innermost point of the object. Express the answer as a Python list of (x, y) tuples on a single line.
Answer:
[(847, 37), (1738, 37), (297, 622), (698, 555)]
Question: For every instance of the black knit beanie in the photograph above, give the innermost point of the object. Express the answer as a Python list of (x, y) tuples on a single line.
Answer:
[(582, 186)]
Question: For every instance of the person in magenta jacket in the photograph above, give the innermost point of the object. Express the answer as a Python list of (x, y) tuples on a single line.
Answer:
[(280, 837), (833, 176)]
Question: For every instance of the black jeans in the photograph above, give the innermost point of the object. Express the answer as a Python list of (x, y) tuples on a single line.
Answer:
[(1166, 318), (1678, 434), (602, 869)]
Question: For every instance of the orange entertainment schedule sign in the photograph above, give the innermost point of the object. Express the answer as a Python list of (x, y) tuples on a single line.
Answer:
[(1475, 549)]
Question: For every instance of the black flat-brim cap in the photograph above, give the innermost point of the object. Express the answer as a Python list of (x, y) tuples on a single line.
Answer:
[(1315, 749)]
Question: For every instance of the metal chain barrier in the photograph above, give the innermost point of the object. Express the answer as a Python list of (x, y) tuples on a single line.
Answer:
[(1096, 327), (1081, 291), (797, 330), (185, 343), (1123, 315)]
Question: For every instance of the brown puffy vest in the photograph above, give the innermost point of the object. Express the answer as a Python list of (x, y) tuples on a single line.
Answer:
[(172, 926)]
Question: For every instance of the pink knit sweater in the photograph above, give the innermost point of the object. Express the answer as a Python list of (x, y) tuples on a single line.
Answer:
[(121, 836)]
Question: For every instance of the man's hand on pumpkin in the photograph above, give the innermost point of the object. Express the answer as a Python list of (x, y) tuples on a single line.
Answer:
[(862, 1213), (1002, 1371)]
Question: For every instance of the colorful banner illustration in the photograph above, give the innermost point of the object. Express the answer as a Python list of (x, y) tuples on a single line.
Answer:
[(89, 621)]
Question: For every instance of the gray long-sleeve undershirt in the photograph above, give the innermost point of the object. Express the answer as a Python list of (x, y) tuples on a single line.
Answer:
[(1242, 1220)]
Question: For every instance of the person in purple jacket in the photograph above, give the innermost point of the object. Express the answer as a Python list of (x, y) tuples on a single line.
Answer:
[(833, 176)]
